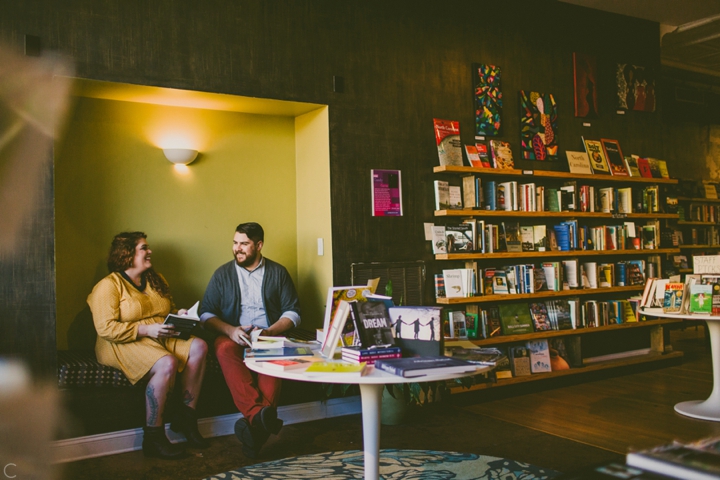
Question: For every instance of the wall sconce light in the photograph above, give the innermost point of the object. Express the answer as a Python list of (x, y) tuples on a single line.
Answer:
[(180, 156)]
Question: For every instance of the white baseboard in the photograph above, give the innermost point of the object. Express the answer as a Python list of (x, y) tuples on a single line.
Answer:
[(74, 449)]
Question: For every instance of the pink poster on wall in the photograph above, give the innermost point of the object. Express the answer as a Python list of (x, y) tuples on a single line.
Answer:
[(386, 193)]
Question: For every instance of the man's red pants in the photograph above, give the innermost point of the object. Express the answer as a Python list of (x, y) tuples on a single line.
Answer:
[(250, 391)]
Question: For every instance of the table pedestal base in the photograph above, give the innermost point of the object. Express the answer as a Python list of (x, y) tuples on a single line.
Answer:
[(707, 409), (371, 400), (701, 409)]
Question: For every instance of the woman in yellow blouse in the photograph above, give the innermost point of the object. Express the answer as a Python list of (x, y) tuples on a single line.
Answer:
[(128, 308)]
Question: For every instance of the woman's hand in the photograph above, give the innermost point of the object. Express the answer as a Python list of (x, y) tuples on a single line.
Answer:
[(182, 311), (157, 330)]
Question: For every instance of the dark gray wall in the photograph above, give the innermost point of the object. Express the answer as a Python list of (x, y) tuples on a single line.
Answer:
[(403, 63)]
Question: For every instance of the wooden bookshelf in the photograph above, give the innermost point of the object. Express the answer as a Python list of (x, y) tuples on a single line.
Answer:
[(570, 215), (699, 200), (632, 338), (540, 295), (554, 254), (689, 222), (501, 339), (697, 247), (624, 362), (550, 175)]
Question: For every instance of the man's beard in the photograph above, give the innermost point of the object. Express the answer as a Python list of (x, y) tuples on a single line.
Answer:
[(249, 259)]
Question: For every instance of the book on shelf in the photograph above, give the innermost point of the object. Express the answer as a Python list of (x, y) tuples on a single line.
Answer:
[(418, 330), (472, 321), (372, 323), (698, 460), (282, 365), (715, 303), (513, 242), (458, 326), (483, 154), (519, 357), (442, 194), (654, 167), (632, 166), (455, 200), (578, 162), (539, 314), (447, 139), (423, 366), (439, 239), (501, 154), (643, 166), (710, 190), (540, 237), (278, 353), (614, 156), (460, 238), (499, 282), (503, 369), (662, 167), (473, 158), (515, 318), (471, 191), (595, 153), (539, 355), (490, 195), (337, 367)]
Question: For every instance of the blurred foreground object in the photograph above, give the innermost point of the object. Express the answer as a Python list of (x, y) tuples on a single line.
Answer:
[(28, 420), (33, 101)]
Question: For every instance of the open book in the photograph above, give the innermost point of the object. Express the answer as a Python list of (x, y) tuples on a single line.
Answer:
[(184, 324)]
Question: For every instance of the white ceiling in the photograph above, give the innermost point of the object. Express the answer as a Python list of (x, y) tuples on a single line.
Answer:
[(690, 29)]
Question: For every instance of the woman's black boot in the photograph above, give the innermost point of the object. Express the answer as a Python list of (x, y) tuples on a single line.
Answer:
[(156, 444), (186, 423)]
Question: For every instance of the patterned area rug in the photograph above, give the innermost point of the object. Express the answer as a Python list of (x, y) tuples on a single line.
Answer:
[(394, 465)]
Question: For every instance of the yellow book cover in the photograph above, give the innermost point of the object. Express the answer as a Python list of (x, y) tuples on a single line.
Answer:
[(337, 367)]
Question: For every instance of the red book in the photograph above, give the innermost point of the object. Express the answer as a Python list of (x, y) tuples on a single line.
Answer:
[(644, 167)]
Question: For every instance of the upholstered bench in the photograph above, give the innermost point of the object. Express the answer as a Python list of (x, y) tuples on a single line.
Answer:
[(80, 368)]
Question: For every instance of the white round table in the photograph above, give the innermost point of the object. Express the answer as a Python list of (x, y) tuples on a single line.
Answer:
[(371, 389), (708, 409)]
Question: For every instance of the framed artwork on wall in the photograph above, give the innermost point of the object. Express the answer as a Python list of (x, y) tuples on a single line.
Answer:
[(635, 87), (538, 126), (487, 98), (584, 80)]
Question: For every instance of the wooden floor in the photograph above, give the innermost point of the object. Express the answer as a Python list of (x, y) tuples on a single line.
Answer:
[(564, 428), (616, 414)]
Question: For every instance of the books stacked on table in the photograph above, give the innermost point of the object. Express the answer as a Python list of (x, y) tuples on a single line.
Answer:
[(692, 461), (278, 353), (422, 366), (369, 355), (261, 342), (284, 364)]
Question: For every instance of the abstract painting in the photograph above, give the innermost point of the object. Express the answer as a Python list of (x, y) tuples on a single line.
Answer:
[(584, 75), (538, 126), (488, 99), (635, 87)]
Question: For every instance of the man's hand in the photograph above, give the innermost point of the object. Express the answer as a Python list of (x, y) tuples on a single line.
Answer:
[(240, 336)]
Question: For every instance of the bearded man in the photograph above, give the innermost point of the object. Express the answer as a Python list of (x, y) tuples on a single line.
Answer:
[(249, 293)]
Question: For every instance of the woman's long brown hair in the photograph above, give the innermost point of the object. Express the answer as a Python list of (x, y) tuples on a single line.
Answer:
[(120, 258)]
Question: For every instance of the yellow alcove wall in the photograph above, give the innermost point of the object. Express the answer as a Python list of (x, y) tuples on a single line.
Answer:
[(111, 176)]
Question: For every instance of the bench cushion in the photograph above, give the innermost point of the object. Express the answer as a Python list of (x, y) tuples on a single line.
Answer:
[(80, 368)]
